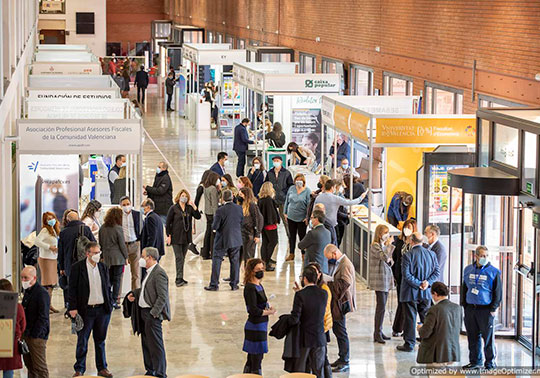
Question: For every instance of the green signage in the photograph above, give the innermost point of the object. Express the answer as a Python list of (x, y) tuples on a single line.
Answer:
[(529, 187)]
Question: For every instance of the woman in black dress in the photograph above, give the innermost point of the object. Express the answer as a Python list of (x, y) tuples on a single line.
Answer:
[(258, 308), (179, 229)]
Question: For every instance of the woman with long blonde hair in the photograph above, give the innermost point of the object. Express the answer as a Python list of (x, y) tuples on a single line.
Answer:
[(269, 210)]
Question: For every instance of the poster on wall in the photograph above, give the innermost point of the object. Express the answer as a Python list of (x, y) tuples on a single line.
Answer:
[(306, 124), (47, 183), (439, 199)]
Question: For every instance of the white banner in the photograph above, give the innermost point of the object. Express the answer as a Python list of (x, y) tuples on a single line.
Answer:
[(73, 94), (74, 109), (66, 68), (64, 136), (327, 112), (302, 83)]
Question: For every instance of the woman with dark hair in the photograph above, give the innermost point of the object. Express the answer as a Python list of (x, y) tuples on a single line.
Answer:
[(300, 155), (179, 230), (227, 182), (251, 225), (47, 242), (212, 187), (198, 196), (90, 217), (257, 175), (8, 364), (276, 137), (258, 308), (114, 249)]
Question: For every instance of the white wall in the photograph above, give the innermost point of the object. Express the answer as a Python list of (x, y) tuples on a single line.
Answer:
[(96, 42)]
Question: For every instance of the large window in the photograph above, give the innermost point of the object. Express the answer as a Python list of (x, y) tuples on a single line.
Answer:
[(397, 85), (361, 81), (493, 102), (334, 66), (307, 63), (240, 43), (506, 145), (443, 100)]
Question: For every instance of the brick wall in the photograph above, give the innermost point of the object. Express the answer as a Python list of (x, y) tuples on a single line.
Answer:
[(128, 21), (434, 41)]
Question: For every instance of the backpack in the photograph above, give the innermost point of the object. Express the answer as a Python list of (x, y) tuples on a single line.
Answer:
[(81, 241)]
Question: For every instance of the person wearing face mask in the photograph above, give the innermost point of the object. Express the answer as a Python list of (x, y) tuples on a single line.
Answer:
[(131, 227), (161, 191), (258, 308), (257, 175), (212, 187), (343, 149), (345, 169), (120, 186), (380, 277), (439, 334), (432, 233), (227, 182), (36, 310), (398, 210), (481, 295), (240, 145), (220, 164), (320, 185), (113, 172), (244, 182), (179, 230), (90, 297), (47, 242), (342, 283), (153, 300), (296, 212), (282, 181), (91, 217), (402, 244), (315, 241)]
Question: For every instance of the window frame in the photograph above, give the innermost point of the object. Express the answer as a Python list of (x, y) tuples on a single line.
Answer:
[(387, 88), (434, 86), (302, 66), (353, 68)]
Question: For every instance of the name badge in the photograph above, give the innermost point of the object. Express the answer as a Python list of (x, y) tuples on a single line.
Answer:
[(474, 291)]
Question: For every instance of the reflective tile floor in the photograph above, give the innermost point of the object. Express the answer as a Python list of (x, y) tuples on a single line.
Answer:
[(205, 335)]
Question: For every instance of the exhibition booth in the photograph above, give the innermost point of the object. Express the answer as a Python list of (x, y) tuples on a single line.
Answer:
[(58, 47), (394, 150), (80, 87), (292, 99), (207, 62), (60, 68), (64, 56)]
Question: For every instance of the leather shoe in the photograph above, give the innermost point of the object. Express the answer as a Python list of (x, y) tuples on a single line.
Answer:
[(234, 288), (404, 348), (341, 368), (379, 340), (117, 306), (270, 268), (384, 337), (77, 374), (211, 288), (337, 362), (472, 366), (104, 373), (180, 284)]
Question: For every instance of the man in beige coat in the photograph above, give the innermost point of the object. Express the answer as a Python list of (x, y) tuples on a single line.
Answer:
[(343, 287)]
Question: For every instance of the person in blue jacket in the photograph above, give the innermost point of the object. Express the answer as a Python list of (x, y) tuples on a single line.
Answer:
[(240, 145), (420, 269), (398, 210), (481, 294), (343, 150)]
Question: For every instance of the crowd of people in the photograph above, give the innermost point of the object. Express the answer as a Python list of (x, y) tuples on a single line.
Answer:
[(86, 256)]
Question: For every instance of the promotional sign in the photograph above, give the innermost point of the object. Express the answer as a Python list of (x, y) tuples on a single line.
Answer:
[(74, 109), (341, 118), (302, 83), (439, 198), (72, 94), (63, 136), (66, 68), (47, 183), (306, 124), (421, 130), (359, 126)]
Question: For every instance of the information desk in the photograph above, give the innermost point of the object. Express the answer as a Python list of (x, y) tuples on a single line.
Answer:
[(359, 253)]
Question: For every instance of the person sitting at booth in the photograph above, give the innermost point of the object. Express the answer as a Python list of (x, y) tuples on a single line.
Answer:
[(345, 169), (343, 150), (276, 137), (398, 210), (219, 165), (240, 145), (300, 155)]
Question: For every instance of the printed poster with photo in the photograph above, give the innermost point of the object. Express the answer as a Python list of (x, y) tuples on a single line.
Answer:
[(306, 123)]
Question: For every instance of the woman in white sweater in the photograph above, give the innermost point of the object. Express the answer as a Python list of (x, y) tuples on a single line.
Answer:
[(47, 242)]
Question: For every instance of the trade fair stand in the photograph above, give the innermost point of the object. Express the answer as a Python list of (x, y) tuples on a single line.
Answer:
[(61, 68), (390, 136), (292, 99), (54, 47), (64, 56), (206, 62)]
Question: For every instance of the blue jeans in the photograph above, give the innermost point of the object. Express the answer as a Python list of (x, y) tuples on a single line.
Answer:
[(96, 321), (7, 374), (217, 259)]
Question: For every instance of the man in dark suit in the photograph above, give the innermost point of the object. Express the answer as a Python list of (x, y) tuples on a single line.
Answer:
[(315, 241), (152, 232), (67, 245), (153, 300), (131, 225), (240, 145), (440, 331), (432, 232), (219, 165), (227, 225), (141, 81), (161, 191), (419, 270), (308, 310), (90, 297)]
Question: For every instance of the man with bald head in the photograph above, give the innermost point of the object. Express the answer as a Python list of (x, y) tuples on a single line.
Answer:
[(420, 269), (36, 303)]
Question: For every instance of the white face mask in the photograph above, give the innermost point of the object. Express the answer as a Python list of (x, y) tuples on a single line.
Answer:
[(299, 184), (183, 199), (407, 232), (25, 285), (95, 258), (385, 237), (256, 166), (127, 209), (142, 263)]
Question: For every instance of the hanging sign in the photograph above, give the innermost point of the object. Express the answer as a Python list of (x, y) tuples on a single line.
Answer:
[(341, 118), (359, 126)]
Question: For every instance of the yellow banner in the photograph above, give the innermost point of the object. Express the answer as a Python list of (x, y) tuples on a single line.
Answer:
[(359, 125), (341, 118), (426, 131), (6, 338)]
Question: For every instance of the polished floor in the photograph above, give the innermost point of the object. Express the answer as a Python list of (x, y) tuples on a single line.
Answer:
[(205, 335)]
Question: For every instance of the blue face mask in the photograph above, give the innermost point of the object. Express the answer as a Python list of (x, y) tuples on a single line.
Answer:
[(345, 166), (310, 223), (158, 171), (483, 261), (332, 261), (51, 222)]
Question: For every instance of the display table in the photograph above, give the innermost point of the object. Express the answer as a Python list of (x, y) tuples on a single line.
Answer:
[(311, 178), (197, 112)]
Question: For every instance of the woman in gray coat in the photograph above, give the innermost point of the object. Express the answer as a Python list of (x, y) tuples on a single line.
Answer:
[(113, 247), (380, 276)]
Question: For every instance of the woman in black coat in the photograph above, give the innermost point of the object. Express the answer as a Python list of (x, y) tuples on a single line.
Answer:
[(269, 210), (179, 229), (252, 224)]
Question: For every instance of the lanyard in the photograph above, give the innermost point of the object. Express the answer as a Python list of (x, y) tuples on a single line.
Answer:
[(479, 273)]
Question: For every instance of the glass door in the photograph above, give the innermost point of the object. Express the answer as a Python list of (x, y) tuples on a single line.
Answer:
[(525, 317)]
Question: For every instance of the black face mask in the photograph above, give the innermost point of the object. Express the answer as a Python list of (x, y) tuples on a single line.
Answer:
[(259, 275), (319, 185), (240, 200), (302, 283)]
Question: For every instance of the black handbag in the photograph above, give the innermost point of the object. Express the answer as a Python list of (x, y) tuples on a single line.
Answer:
[(23, 347)]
